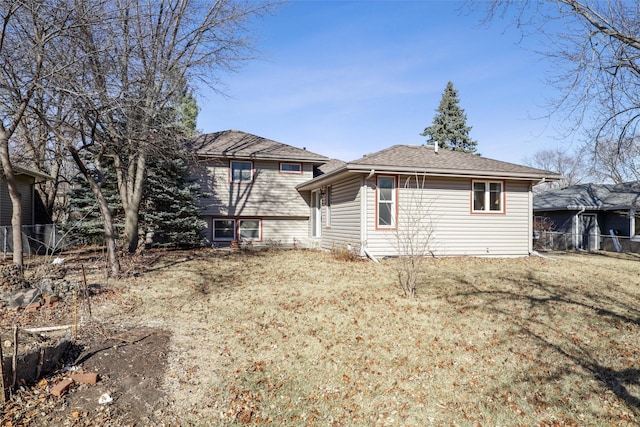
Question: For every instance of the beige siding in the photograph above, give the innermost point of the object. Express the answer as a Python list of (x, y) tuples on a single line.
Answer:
[(285, 232), (449, 225), (345, 215), (25, 187), (270, 194)]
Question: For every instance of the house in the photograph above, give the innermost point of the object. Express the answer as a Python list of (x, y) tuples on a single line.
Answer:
[(591, 216), (436, 201), (34, 234), (251, 182), (417, 199)]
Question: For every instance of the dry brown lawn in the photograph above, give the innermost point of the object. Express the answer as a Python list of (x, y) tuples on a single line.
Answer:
[(299, 338)]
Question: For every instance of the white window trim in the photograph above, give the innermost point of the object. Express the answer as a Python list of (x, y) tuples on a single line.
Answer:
[(240, 221), (393, 202), (291, 172), (231, 179), (487, 196), (224, 239)]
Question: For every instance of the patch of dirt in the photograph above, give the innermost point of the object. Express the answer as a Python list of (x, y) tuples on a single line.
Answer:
[(130, 361)]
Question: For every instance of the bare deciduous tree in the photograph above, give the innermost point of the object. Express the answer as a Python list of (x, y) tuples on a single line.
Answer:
[(569, 164), (123, 68), (414, 232), (28, 28), (616, 160), (596, 50), (139, 59)]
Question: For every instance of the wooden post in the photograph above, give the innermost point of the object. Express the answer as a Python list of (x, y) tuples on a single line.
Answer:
[(14, 359), (40, 363), (3, 395), (75, 313), (85, 290)]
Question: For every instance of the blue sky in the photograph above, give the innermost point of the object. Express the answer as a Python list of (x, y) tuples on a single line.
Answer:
[(346, 78)]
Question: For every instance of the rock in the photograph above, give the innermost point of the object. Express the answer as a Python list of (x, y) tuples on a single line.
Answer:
[(12, 278), (22, 298)]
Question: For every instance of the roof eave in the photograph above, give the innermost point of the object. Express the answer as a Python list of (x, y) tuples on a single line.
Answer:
[(451, 173), (322, 179), (314, 160), (26, 171), (455, 172)]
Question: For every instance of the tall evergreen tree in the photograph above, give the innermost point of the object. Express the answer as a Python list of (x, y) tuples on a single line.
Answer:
[(449, 129), (170, 214), (84, 225)]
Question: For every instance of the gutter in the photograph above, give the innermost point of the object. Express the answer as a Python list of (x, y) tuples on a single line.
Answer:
[(582, 208), (453, 172), (284, 158), (450, 173)]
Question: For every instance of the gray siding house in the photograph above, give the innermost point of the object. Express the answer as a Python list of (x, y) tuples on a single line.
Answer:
[(33, 234), (591, 216), (252, 183), (438, 202)]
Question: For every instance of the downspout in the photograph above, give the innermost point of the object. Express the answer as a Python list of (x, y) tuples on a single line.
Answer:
[(531, 220), (363, 215), (371, 257)]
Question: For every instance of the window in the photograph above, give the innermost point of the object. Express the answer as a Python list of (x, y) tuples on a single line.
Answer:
[(487, 196), (249, 229), (291, 168), (386, 196), (328, 203), (224, 229), (241, 171)]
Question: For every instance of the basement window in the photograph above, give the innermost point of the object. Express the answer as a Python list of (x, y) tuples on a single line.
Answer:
[(224, 229)]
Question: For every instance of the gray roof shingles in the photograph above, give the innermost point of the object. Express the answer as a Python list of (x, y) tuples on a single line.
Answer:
[(591, 196), (242, 145), (330, 166), (426, 158)]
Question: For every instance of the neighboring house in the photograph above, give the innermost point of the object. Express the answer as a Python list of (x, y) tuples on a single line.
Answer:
[(591, 216), (25, 179), (252, 186), (451, 202)]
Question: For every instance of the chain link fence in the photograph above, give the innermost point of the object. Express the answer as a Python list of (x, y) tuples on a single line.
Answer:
[(36, 239), (557, 241)]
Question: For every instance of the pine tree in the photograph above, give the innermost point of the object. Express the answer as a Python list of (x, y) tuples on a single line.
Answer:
[(84, 225), (169, 212), (171, 216), (449, 129)]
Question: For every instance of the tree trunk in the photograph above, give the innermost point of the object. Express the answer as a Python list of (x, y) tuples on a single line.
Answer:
[(16, 199), (109, 234), (131, 188), (131, 229)]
